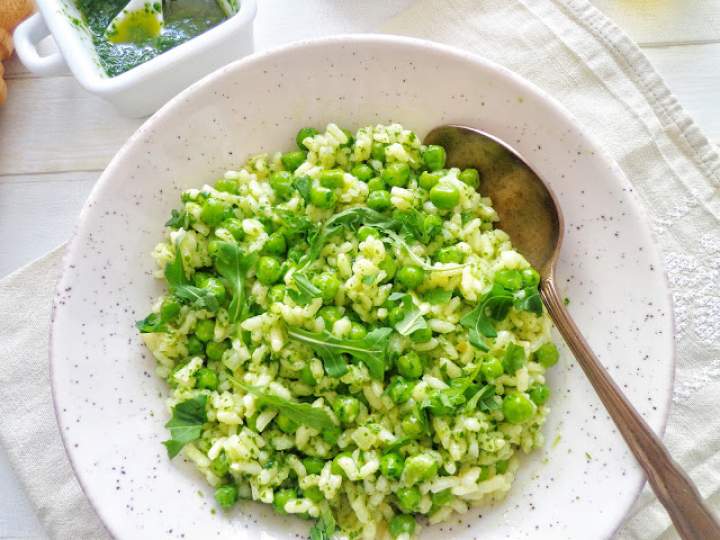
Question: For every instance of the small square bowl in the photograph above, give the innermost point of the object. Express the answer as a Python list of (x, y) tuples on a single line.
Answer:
[(139, 91)]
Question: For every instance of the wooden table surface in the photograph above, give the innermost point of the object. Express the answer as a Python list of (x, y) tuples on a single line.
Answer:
[(55, 139)]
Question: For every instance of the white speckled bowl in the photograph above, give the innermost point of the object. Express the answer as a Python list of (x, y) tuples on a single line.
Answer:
[(110, 406)]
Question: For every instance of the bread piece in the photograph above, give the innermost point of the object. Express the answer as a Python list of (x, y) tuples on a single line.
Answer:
[(6, 44), (13, 12)]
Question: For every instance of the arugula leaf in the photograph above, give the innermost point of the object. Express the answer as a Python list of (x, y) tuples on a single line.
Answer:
[(446, 401), (494, 305), (412, 317), (303, 184), (398, 443), (295, 224), (232, 264), (302, 413), (371, 350), (178, 220), (484, 399), (197, 297), (152, 324), (180, 286), (306, 291), (324, 527), (528, 299), (351, 218), (514, 358), (476, 341), (437, 297), (188, 418)]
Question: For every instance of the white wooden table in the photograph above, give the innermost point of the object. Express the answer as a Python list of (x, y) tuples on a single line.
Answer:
[(55, 139)]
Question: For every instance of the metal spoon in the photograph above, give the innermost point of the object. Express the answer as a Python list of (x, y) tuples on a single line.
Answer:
[(530, 214)]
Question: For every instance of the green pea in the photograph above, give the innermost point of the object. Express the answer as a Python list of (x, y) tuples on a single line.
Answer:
[(281, 498), (347, 409), (471, 177), (212, 212), (395, 315), (389, 266), (205, 329), (396, 174), (313, 465), (228, 185), (428, 179), (379, 200), (376, 184), (268, 270), (434, 157), (420, 468), (275, 244), (303, 134), (214, 350), (329, 285), (431, 226), (207, 379), (330, 315), (513, 359), (441, 498), (517, 408), (332, 179), (547, 354), (357, 331), (412, 425), (444, 196), (410, 366), (510, 279), (363, 172), (411, 276), (366, 232), (169, 310), (530, 277), (450, 254), (378, 151), (335, 467), (194, 345), (226, 495), (501, 466), (220, 466), (200, 279), (408, 498), (423, 335), (402, 524), (292, 160), (282, 184), (400, 390), (216, 288), (313, 493), (277, 293), (539, 394), (286, 424), (322, 197), (491, 368), (235, 226), (306, 376), (391, 465)]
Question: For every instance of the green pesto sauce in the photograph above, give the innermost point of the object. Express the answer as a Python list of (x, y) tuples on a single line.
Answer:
[(184, 19)]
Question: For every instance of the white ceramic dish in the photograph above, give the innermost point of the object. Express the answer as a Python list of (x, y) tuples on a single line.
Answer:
[(142, 90), (110, 406)]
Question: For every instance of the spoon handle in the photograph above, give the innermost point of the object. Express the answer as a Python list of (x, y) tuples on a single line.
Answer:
[(691, 517)]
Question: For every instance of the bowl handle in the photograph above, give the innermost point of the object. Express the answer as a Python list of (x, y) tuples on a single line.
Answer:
[(27, 35)]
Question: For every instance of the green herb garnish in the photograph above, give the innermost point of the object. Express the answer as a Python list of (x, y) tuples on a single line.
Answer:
[(233, 264), (412, 317), (188, 418), (371, 350)]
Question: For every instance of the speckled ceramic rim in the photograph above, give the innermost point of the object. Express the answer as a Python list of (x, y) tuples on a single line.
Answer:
[(74, 245)]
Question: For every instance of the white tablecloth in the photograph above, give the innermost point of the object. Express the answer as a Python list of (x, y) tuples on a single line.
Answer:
[(574, 53)]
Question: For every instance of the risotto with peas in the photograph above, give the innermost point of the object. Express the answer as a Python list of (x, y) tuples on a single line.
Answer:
[(347, 337)]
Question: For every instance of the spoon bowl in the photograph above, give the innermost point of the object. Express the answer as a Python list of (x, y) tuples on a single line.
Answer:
[(530, 214)]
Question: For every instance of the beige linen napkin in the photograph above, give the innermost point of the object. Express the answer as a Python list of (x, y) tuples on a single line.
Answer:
[(577, 55)]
